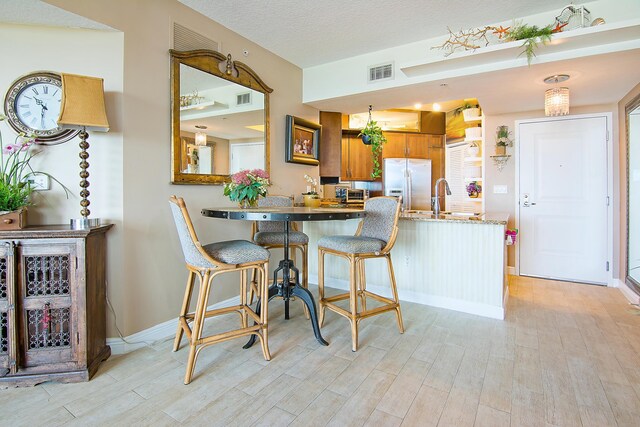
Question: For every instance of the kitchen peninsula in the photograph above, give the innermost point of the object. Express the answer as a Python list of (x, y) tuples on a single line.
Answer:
[(454, 262)]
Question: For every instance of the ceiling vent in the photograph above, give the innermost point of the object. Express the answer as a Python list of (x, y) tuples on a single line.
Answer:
[(243, 98), (186, 39), (380, 72)]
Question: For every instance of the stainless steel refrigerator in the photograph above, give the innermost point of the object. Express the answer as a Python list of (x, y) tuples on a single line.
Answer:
[(409, 178)]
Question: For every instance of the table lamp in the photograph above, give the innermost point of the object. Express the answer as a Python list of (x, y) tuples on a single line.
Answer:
[(83, 108)]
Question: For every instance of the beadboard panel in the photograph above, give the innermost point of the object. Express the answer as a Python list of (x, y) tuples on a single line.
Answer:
[(455, 261)]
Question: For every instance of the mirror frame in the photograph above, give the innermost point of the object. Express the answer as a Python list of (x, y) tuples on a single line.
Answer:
[(632, 105), (209, 61)]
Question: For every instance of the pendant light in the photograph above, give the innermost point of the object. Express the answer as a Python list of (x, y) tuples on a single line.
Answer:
[(556, 100)]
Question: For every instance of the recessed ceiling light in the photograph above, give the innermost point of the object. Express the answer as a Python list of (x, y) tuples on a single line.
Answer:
[(443, 85), (417, 105), (557, 78), (436, 107)]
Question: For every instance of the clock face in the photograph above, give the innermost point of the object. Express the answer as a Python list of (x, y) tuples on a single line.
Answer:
[(32, 106), (38, 106)]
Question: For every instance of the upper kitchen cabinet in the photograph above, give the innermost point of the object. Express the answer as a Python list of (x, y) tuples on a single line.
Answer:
[(330, 143), (410, 145), (356, 160)]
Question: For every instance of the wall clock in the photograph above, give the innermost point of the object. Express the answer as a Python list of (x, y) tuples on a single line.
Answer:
[(32, 105)]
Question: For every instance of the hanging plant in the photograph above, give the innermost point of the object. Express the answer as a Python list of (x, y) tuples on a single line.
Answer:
[(372, 135), (532, 35)]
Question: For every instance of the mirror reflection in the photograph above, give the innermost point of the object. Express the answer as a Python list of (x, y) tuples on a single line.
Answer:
[(219, 118), (221, 125), (633, 179)]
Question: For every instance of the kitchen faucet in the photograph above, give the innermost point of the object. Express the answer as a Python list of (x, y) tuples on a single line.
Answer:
[(436, 205)]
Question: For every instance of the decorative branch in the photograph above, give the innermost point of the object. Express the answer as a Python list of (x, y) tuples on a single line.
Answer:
[(468, 40)]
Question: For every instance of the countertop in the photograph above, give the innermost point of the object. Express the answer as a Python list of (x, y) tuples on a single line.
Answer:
[(486, 218)]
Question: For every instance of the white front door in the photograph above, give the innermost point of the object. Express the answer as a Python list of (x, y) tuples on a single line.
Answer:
[(563, 199)]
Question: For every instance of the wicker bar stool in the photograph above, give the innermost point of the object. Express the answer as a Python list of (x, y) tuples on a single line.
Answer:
[(270, 235), (374, 238), (205, 263)]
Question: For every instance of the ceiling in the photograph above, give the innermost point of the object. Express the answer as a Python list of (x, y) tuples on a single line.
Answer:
[(308, 32), (36, 12)]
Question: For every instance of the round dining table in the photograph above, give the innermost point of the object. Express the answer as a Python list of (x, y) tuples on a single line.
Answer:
[(287, 286)]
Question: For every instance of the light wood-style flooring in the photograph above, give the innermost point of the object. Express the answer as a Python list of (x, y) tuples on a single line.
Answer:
[(567, 355)]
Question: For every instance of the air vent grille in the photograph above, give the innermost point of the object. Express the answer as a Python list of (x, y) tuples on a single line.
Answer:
[(380, 72), (243, 98), (186, 39)]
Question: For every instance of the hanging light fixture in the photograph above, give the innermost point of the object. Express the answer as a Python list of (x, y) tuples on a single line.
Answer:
[(201, 137), (556, 100)]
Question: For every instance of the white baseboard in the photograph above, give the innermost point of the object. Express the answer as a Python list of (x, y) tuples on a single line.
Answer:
[(426, 299), (156, 333), (627, 292), (511, 270)]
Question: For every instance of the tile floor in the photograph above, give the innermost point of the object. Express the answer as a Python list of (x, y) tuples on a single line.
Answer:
[(567, 355)]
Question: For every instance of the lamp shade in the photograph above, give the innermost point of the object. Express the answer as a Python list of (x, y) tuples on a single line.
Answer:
[(83, 103), (556, 101)]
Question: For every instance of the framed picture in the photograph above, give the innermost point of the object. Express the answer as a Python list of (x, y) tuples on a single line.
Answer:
[(303, 141)]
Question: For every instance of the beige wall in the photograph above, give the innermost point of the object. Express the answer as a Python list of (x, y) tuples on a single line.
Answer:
[(151, 285), (622, 177), (507, 202)]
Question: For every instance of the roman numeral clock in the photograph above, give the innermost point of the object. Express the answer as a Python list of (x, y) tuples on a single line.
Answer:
[(32, 106)]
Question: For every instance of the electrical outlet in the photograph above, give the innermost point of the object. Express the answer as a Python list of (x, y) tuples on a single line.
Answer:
[(39, 182), (500, 189)]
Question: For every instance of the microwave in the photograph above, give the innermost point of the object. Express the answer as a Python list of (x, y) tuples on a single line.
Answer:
[(357, 195)]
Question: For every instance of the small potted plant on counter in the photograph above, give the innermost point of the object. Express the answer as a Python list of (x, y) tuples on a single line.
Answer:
[(311, 197)]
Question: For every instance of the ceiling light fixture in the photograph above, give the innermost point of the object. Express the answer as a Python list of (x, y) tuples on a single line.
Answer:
[(201, 138), (556, 100), (417, 106), (436, 107)]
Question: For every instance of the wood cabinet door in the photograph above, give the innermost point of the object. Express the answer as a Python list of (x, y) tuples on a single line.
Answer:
[(436, 140), (344, 159), (49, 294), (360, 160), (437, 164), (395, 146), (330, 144), (417, 146)]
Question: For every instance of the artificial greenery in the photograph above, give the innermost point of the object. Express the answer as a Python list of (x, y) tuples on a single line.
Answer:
[(532, 35), (503, 137), (372, 135), (247, 185)]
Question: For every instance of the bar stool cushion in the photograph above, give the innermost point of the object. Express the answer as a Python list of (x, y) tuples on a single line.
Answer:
[(351, 244), (277, 238), (236, 252)]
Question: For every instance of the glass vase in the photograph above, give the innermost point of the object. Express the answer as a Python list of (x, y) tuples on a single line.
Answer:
[(248, 203)]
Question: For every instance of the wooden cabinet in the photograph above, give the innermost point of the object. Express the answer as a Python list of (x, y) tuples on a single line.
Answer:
[(417, 146), (356, 160), (52, 304), (330, 143)]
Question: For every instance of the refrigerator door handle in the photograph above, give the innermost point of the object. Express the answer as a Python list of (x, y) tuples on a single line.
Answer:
[(409, 188)]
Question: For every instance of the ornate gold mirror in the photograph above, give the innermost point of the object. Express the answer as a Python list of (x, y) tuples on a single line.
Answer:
[(632, 111), (219, 118)]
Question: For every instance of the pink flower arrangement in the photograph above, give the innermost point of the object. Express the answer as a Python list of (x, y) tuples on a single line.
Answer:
[(247, 185)]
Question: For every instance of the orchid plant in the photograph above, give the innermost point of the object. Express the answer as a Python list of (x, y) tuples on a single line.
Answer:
[(311, 189), (247, 185), (473, 189), (15, 171)]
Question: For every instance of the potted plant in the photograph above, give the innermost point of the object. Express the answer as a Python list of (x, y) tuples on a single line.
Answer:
[(474, 189), (246, 186), (372, 135), (503, 140), (15, 185), (532, 35), (311, 197), (470, 112)]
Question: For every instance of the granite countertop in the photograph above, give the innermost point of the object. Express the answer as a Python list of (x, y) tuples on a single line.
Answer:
[(486, 218)]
